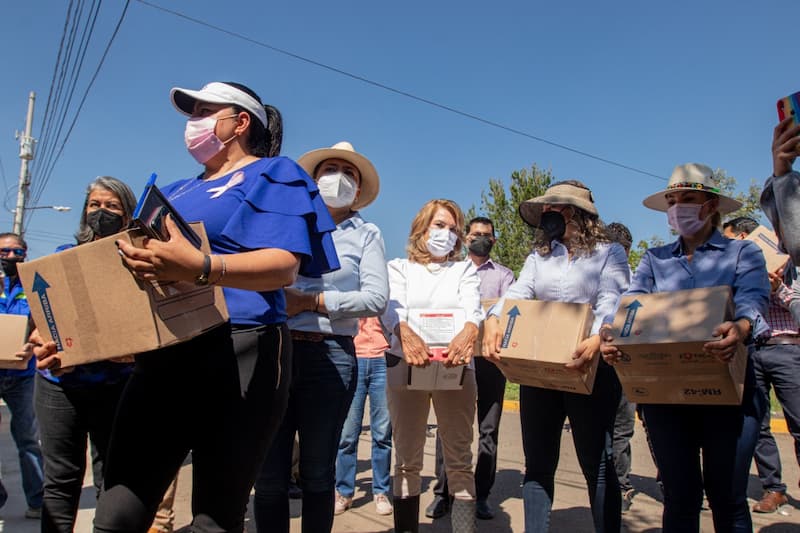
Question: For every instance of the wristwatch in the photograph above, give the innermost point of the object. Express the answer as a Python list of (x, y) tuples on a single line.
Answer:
[(202, 279)]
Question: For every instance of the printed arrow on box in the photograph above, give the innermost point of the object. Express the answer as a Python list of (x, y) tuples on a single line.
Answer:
[(40, 287), (513, 313), (630, 317)]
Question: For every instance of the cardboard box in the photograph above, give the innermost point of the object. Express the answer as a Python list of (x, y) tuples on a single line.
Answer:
[(662, 335), (540, 338), (92, 306), (13, 334), (768, 242), (435, 376)]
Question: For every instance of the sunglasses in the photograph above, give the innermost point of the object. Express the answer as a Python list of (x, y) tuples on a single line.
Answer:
[(19, 252)]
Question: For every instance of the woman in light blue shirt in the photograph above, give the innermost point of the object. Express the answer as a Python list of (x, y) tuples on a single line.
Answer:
[(323, 319), (722, 437), (572, 261)]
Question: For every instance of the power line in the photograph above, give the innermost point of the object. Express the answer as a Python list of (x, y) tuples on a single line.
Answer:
[(401, 92), (46, 177)]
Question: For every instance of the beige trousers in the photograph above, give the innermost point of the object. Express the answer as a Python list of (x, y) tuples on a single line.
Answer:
[(455, 416), (165, 515)]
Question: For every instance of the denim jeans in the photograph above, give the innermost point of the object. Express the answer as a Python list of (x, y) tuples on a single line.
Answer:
[(17, 391), (371, 383), (67, 416), (777, 367), (623, 432), (323, 384), (542, 412), (725, 438)]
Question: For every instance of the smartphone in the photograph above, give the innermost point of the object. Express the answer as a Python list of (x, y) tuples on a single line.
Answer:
[(789, 106)]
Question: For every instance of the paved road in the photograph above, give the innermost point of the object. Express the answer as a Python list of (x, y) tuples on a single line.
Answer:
[(571, 511)]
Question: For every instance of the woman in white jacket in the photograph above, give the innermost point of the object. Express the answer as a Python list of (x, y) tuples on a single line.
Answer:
[(432, 277)]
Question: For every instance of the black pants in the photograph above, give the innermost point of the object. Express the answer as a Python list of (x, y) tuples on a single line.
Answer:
[(491, 389), (67, 415), (542, 413), (221, 396)]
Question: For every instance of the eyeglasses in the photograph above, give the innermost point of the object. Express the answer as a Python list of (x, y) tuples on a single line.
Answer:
[(19, 252)]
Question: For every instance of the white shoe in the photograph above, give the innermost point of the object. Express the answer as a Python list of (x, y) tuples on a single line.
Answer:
[(382, 504), (341, 504)]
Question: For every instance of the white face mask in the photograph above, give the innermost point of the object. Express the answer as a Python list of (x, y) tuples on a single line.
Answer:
[(685, 218), (441, 242), (337, 190)]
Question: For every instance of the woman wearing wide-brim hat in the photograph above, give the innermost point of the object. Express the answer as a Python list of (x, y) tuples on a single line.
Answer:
[(323, 319), (572, 261), (723, 436)]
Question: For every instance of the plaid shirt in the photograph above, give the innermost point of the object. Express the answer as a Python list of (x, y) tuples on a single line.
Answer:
[(779, 318)]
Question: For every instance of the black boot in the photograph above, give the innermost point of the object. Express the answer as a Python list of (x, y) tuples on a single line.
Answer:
[(406, 514), (462, 516)]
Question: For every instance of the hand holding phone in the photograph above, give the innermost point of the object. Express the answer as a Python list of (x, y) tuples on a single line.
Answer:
[(786, 137)]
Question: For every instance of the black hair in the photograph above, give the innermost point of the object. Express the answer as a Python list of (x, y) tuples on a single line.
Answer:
[(11, 234), (262, 141), (480, 220), (738, 225)]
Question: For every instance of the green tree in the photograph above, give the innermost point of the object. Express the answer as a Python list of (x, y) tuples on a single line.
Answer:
[(514, 236)]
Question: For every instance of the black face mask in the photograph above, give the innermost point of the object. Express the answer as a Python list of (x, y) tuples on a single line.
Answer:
[(104, 222), (481, 246), (10, 266), (553, 225)]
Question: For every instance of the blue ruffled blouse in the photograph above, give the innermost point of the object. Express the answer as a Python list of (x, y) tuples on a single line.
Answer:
[(270, 203)]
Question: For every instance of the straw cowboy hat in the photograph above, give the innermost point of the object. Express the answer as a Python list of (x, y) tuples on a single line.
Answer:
[(370, 182), (692, 177), (558, 194)]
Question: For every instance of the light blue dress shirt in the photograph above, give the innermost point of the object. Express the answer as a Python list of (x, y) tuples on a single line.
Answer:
[(720, 261), (597, 279), (358, 289)]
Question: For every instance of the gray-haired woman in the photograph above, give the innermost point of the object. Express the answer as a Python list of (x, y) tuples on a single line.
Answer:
[(81, 403)]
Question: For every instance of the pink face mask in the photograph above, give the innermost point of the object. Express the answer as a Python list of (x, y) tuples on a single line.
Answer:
[(200, 138), (685, 218)]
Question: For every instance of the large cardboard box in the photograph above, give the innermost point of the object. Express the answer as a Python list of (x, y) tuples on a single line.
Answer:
[(768, 242), (13, 334), (662, 335), (92, 306), (539, 339)]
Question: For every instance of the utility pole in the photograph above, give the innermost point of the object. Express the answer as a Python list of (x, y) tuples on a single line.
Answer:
[(26, 155)]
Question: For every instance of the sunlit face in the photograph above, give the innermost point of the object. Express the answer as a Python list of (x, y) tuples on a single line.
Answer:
[(227, 117), (334, 165), (11, 248), (101, 198), (479, 229), (443, 219), (709, 202)]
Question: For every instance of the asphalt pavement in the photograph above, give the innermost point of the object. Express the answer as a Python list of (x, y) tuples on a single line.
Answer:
[(570, 510)]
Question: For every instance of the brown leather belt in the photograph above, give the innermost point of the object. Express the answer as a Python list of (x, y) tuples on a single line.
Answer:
[(782, 340), (309, 336)]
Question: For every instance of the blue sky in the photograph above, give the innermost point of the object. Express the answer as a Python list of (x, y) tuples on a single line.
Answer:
[(648, 84)]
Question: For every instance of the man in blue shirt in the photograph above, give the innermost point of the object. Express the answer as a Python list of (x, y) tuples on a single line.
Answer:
[(16, 386)]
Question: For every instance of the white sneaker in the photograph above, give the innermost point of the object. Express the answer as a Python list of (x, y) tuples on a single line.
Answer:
[(382, 504), (341, 504)]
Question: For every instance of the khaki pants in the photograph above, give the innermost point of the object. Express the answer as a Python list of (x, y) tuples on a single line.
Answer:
[(165, 515), (455, 415)]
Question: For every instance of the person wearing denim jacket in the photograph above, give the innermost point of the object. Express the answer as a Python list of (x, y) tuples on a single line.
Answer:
[(705, 447)]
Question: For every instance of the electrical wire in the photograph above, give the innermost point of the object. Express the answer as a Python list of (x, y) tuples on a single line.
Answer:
[(401, 92), (46, 177)]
